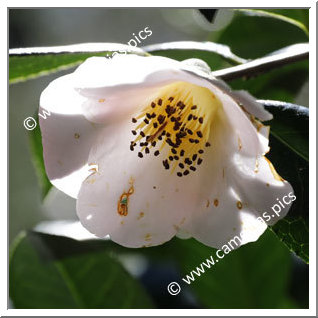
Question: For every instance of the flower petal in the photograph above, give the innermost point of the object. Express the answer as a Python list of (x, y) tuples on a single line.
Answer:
[(201, 69), (152, 196), (135, 77), (67, 135), (154, 72), (236, 189)]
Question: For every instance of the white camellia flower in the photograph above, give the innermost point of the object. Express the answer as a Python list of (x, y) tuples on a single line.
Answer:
[(152, 147)]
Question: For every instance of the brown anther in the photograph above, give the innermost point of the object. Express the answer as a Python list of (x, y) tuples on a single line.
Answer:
[(207, 144), (134, 120), (153, 105), (199, 133), (166, 164), (179, 174), (199, 161), (186, 172), (156, 153), (193, 168), (181, 165), (160, 102), (140, 155), (134, 132), (194, 107), (161, 119), (194, 157), (142, 134), (201, 120)]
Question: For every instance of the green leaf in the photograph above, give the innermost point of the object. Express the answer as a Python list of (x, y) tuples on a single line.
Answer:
[(53, 272), (280, 84), (253, 276), (31, 63), (290, 125), (36, 149), (256, 36), (182, 50), (289, 142), (278, 14), (23, 68)]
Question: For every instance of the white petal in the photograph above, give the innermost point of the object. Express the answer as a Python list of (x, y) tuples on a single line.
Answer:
[(93, 82), (250, 103), (67, 135), (235, 190), (133, 199), (156, 207)]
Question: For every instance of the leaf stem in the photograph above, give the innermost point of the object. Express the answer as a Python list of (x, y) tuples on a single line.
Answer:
[(281, 58)]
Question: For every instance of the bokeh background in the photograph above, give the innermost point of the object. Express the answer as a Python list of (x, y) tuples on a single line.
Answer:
[(248, 37)]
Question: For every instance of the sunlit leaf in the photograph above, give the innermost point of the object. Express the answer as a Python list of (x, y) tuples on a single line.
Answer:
[(28, 63), (275, 15), (193, 49)]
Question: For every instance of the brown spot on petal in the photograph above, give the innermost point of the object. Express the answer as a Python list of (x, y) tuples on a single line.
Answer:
[(140, 215), (182, 221), (239, 205), (76, 136), (123, 202), (101, 100), (148, 237), (239, 143), (216, 202), (256, 166), (90, 180), (207, 203)]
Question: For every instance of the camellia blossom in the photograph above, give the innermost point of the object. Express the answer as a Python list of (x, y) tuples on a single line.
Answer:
[(152, 148)]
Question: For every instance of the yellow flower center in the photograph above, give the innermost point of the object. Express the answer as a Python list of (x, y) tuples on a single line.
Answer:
[(179, 117)]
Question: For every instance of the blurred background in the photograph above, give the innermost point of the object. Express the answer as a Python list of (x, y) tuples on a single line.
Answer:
[(248, 37)]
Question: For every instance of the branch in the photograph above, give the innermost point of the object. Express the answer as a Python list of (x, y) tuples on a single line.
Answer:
[(277, 59)]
